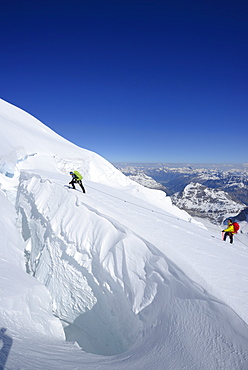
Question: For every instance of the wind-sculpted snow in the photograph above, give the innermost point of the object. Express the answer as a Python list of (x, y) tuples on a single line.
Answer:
[(117, 293), (97, 265), (99, 274)]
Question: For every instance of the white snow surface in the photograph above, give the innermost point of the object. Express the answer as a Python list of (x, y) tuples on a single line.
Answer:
[(117, 278)]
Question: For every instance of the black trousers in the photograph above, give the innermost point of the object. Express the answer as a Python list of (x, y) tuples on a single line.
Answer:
[(230, 236), (74, 181)]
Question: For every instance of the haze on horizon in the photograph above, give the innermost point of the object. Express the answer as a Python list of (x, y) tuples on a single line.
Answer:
[(223, 166)]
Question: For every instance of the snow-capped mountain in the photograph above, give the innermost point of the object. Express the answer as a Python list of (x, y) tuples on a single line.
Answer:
[(201, 201), (230, 184), (230, 178), (117, 278)]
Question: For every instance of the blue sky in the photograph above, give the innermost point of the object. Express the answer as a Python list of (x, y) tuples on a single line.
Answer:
[(133, 80)]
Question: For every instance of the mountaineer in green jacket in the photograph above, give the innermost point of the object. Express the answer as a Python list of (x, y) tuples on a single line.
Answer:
[(76, 179)]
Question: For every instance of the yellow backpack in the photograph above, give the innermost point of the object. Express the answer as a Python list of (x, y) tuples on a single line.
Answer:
[(78, 175)]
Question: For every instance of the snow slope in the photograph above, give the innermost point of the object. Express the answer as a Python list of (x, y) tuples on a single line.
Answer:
[(135, 282)]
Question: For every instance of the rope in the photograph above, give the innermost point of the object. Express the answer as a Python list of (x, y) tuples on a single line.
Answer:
[(240, 241), (137, 205), (151, 210)]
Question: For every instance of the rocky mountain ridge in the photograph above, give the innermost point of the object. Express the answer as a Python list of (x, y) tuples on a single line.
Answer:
[(201, 201), (213, 192)]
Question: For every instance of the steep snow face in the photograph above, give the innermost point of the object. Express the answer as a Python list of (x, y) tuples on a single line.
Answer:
[(114, 291), (28, 143), (80, 257), (100, 275), (200, 200)]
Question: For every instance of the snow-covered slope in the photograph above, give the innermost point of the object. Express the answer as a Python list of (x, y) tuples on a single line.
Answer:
[(136, 282)]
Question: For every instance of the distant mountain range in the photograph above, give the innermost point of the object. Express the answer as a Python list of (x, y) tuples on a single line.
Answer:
[(210, 191)]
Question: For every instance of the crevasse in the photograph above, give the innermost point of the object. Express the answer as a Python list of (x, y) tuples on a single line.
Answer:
[(92, 266)]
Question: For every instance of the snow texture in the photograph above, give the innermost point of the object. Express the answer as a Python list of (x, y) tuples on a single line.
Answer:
[(117, 278)]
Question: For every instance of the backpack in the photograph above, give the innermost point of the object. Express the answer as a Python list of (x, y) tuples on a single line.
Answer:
[(78, 175), (236, 227)]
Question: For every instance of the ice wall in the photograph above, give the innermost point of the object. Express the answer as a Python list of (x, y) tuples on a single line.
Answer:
[(25, 304), (100, 275)]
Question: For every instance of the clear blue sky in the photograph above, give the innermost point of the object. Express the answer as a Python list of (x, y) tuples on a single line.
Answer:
[(133, 80)]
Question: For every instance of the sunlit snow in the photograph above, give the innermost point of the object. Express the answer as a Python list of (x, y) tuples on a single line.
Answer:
[(117, 278)]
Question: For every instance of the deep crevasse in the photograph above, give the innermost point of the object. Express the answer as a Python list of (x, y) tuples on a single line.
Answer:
[(93, 267)]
